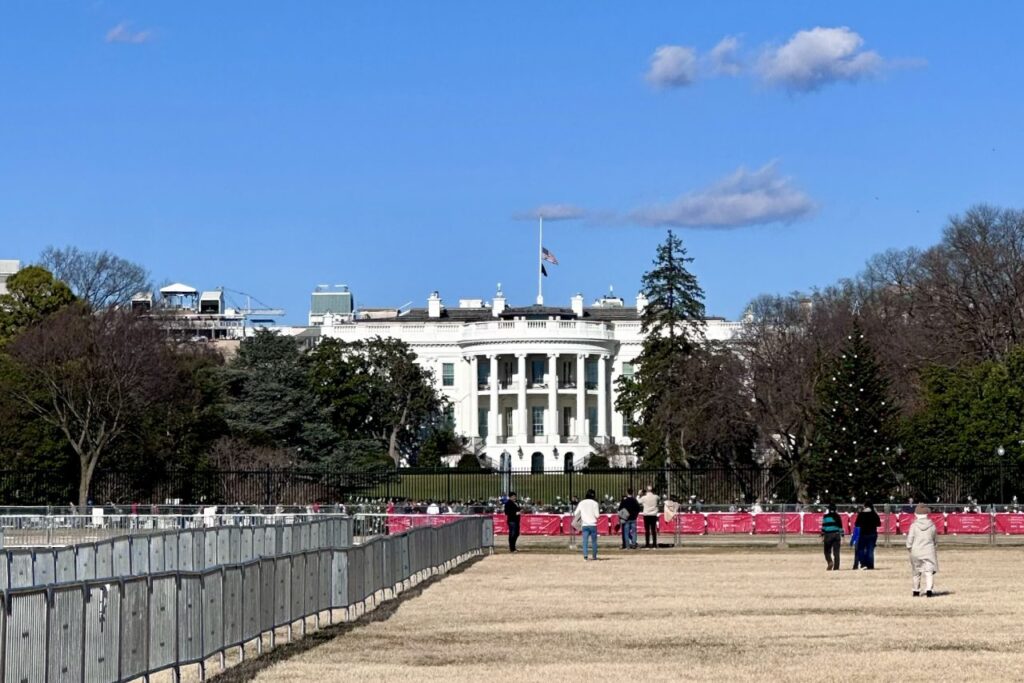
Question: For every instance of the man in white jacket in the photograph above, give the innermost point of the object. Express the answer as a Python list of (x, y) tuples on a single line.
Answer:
[(921, 543), (585, 519)]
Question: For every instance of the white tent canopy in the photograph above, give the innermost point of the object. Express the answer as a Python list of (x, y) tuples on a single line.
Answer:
[(178, 289)]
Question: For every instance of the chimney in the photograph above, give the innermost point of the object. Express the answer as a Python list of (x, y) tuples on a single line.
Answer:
[(641, 303), (577, 305), (498, 306), (434, 305)]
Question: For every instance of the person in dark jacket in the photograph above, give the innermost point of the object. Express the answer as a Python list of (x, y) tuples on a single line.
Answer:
[(832, 536), (867, 524), (512, 510), (631, 506)]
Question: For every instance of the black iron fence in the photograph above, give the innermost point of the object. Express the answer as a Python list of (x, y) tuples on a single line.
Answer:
[(720, 485)]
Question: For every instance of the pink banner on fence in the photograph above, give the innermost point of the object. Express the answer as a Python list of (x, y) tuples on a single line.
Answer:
[(540, 525), (691, 523), (605, 525), (907, 519), (890, 523), (730, 523), (1010, 523), (771, 523), (811, 522), (501, 524), (968, 523)]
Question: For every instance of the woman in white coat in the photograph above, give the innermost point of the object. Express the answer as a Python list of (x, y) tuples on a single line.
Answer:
[(921, 543)]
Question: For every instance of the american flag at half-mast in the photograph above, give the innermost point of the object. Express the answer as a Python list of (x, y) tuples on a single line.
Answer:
[(548, 256)]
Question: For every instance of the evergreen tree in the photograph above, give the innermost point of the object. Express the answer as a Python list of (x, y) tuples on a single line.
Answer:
[(655, 397), (855, 426)]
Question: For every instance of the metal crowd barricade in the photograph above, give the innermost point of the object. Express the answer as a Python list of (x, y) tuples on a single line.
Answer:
[(119, 628)]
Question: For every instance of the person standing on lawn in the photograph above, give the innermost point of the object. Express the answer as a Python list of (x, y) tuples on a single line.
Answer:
[(585, 519), (629, 510), (867, 525), (832, 536), (512, 510), (649, 501), (921, 543)]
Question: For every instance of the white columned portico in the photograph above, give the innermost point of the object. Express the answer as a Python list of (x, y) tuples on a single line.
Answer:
[(552, 430), (474, 397), (581, 397), (493, 423), (521, 387), (602, 396)]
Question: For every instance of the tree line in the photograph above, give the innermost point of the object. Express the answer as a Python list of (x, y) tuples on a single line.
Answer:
[(913, 366), (85, 383)]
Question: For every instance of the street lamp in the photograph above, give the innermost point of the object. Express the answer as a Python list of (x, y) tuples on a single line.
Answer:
[(1000, 451)]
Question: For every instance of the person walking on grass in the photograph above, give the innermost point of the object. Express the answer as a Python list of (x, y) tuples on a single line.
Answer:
[(921, 543), (867, 525), (629, 510), (649, 501), (832, 536), (512, 510), (585, 519)]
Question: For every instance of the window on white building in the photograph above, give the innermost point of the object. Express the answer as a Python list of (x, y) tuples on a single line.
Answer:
[(627, 370), (566, 420), (537, 371), (592, 418), (483, 373), (449, 415), (537, 420), (591, 370), (482, 421), (509, 430), (448, 374)]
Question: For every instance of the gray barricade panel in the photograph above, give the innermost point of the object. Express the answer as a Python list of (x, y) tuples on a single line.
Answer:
[(44, 567), (157, 562), (223, 546), (171, 553), (250, 601), (213, 612), (25, 644), (210, 557), (339, 579), (284, 540), (21, 568), (134, 626), (105, 560), (323, 599), (282, 590), (5, 570), (66, 656), (101, 631), (303, 538), (311, 589), (122, 561), (85, 562), (140, 555), (163, 617), (245, 552), (190, 618), (234, 545), (186, 549), (233, 605), (268, 582), (298, 597), (66, 569)]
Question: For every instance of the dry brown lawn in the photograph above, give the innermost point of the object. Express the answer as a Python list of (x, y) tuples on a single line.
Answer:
[(710, 614)]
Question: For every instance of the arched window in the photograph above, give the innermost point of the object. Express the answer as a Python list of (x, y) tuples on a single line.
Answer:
[(537, 463), (569, 464)]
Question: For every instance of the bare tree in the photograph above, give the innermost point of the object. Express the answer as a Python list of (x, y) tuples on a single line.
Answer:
[(90, 376), (100, 278)]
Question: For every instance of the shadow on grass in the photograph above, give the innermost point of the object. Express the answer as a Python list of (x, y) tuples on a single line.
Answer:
[(250, 668)]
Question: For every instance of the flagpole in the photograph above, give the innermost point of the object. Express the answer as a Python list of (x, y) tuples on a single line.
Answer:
[(540, 263)]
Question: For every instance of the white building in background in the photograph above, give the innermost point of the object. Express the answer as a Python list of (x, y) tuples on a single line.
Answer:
[(8, 268), (535, 385)]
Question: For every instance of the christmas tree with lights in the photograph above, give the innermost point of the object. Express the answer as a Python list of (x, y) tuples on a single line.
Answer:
[(855, 424)]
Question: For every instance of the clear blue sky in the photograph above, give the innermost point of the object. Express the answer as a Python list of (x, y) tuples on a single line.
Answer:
[(269, 147)]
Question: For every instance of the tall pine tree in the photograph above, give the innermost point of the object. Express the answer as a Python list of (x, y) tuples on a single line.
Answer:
[(673, 326), (855, 426)]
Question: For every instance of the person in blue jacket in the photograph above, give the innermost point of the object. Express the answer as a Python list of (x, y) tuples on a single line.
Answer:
[(832, 536)]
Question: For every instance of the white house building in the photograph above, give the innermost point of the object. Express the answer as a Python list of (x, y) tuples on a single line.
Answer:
[(533, 386)]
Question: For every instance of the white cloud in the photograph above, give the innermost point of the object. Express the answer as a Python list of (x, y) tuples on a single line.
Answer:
[(672, 66), (741, 198), (553, 212), (123, 33), (724, 58), (818, 57)]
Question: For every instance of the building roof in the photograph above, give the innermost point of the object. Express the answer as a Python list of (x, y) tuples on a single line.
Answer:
[(178, 288)]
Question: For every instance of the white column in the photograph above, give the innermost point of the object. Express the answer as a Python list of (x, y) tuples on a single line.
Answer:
[(552, 429), (524, 418), (581, 397), (492, 414), (474, 398), (602, 395)]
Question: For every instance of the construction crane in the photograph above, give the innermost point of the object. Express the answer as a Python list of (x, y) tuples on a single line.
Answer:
[(261, 313)]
